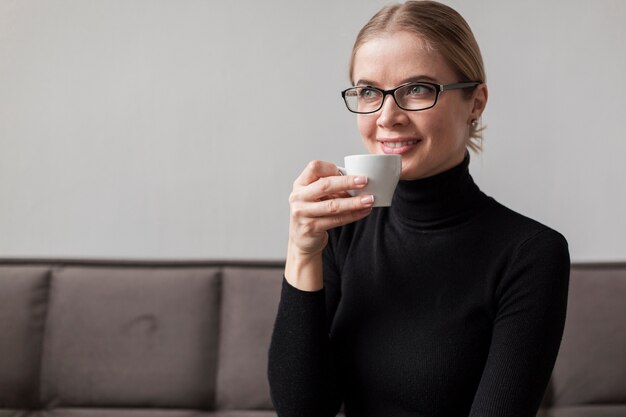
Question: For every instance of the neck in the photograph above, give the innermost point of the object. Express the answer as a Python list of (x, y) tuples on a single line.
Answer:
[(442, 200)]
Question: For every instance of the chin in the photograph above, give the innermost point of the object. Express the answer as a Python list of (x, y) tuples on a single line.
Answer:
[(409, 175), (410, 170)]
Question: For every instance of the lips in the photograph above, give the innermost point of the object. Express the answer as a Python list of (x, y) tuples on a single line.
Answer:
[(397, 145)]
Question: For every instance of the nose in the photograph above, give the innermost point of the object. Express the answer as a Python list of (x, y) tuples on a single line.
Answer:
[(390, 114)]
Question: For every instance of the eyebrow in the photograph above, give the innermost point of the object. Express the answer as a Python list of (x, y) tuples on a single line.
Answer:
[(413, 79)]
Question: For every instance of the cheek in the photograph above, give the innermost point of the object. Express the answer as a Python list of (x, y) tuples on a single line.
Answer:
[(363, 125), (447, 131), (432, 124), (367, 129)]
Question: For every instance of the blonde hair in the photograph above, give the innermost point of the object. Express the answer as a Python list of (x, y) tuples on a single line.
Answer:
[(441, 28)]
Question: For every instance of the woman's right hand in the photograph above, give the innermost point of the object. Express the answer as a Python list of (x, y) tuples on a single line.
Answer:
[(318, 202)]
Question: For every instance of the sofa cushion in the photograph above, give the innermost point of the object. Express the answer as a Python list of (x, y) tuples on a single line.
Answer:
[(24, 413), (23, 303), (108, 412), (246, 413), (591, 366), (94, 412), (585, 411), (154, 413), (131, 337), (249, 304)]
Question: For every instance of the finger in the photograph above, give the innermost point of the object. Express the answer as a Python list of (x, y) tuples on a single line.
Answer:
[(341, 194), (335, 185), (333, 207), (327, 188), (322, 224), (316, 170)]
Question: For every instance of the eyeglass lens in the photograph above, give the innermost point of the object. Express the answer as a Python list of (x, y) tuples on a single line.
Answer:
[(415, 96)]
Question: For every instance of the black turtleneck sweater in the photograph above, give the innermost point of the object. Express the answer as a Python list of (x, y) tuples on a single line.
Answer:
[(445, 304)]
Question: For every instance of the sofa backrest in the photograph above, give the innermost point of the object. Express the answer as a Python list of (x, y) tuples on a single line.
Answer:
[(132, 335), (124, 335), (589, 377)]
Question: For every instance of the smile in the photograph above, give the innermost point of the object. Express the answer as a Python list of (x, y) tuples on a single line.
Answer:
[(399, 144)]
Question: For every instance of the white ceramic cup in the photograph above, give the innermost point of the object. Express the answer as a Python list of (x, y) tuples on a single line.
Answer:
[(382, 172)]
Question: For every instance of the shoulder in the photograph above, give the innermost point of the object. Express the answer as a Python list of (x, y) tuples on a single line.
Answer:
[(522, 230), (538, 256), (526, 252)]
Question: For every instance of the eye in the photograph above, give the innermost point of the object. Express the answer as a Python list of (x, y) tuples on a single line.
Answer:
[(367, 93), (419, 90)]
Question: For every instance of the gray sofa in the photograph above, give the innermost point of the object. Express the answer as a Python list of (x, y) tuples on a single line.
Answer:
[(111, 338)]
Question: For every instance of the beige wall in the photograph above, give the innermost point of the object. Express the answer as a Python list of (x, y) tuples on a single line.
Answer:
[(161, 129)]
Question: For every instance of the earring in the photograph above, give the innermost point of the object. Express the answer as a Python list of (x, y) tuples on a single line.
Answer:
[(474, 122)]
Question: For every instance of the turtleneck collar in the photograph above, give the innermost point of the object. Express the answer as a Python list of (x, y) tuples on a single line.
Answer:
[(443, 200)]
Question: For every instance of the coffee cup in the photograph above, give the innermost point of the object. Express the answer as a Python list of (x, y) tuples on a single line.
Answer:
[(382, 172)]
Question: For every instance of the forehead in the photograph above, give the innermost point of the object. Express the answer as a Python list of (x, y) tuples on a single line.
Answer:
[(391, 59)]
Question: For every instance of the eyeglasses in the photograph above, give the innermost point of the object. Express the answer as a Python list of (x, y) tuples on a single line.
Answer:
[(413, 96)]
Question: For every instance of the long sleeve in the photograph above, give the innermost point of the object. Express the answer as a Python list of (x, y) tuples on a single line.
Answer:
[(301, 371), (531, 305)]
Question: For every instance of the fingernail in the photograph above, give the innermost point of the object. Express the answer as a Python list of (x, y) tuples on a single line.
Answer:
[(367, 199), (360, 180)]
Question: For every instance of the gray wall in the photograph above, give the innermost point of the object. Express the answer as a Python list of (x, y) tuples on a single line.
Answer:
[(166, 129)]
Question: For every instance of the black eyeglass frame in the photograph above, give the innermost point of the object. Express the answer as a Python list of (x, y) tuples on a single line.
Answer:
[(438, 87)]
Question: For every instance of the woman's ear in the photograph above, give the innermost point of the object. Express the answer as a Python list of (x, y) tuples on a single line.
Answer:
[(479, 102)]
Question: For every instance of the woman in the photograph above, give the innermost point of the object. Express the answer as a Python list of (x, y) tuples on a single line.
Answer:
[(444, 304)]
